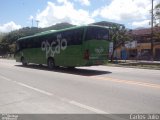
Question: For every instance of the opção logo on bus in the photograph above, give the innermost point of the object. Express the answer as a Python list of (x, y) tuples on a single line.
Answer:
[(99, 50), (51, 49)]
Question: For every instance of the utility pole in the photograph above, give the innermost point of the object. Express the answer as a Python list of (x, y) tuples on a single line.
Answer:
[(152, 43), (37, 22), (32, 22), (31, 18)]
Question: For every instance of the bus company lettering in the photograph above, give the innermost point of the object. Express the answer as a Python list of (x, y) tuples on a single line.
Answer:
[(54, 48), (99, 50)]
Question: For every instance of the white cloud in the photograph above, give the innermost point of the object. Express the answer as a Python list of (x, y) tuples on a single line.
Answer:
[(125, 10), (141, 23), (65, 12), (95, 13), (9, 27), (31, 17), (62, 1), (84, 2)]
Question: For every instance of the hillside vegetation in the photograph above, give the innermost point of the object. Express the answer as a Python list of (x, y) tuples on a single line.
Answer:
[(7, 40)]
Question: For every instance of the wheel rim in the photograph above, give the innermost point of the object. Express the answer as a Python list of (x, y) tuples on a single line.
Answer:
[(24, 62), (51, 64)]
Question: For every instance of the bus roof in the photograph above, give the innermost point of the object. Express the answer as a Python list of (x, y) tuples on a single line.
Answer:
[(56, 31)]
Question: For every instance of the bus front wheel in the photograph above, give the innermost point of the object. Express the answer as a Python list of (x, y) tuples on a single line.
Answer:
[(51, 63)]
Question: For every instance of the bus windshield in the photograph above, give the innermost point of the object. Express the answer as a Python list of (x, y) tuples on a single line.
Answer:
[(96, 33)]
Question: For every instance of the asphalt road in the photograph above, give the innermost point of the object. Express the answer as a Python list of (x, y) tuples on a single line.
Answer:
[(96, 89)]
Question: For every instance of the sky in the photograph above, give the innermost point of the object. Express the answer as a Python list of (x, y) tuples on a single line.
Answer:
[(15, 14)]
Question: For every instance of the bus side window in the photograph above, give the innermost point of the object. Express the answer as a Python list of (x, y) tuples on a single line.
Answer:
[(102, 34), (29, 44), (41, 40), (36, 42), (23, 43), (66, 35), (97, 33), (74, 37), (90, 34), (79, 35), (52, 39)]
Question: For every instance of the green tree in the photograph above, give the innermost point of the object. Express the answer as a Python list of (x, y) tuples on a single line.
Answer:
[(156, 33), (157, 14), (7, 40), (118, 35), (4, 49)]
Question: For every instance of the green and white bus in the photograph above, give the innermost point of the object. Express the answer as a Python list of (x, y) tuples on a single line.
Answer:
[(71, 47)]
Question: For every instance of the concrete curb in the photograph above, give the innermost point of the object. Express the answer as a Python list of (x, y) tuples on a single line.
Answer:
[(140, 65)]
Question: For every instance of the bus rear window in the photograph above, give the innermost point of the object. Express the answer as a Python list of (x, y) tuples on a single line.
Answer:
[(95, 33)]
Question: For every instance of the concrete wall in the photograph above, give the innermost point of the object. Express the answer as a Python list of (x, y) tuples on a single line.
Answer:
[(141, 47)]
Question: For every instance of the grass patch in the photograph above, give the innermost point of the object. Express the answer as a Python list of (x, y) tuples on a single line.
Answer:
[(135, 64)]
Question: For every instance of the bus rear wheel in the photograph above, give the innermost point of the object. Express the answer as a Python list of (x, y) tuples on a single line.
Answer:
[(24, 62), (50, 63), (71, 68)]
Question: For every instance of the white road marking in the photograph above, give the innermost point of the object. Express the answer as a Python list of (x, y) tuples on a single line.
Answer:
[(62, 99), (35, 89), (88, 107), (27, 86), (95, 110), (5, 78)]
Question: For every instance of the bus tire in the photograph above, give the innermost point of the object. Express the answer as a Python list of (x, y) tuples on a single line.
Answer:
[(40, 65), (24, 62), (50, 63), (71, 68)]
